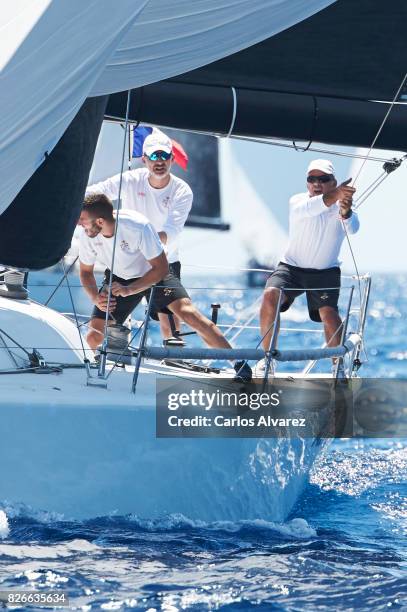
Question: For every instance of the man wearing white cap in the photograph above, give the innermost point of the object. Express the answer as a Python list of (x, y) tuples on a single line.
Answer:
[(159, 195), (318, 220)]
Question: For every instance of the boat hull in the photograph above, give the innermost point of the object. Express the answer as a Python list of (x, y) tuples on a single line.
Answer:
[(93, 452)]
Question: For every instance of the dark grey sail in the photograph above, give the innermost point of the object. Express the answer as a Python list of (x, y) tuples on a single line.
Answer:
[(329, 78), (36, 229), (202, 175)]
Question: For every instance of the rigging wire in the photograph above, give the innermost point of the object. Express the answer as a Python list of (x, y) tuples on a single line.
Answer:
[(388, 168), (379, 131), (275, 143), (85, 359), (378, 181), (133, 337), (61, 281), (102, 367), (370, 189), (285, 145)]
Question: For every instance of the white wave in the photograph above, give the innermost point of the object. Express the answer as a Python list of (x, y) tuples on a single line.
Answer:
[(4, 528), (19, 510), (297, 528)]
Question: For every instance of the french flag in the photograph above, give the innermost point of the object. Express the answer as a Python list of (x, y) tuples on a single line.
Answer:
[(140, 134)]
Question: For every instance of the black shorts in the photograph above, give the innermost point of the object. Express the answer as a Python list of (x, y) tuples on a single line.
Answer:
[(323, 286), (175, 268), (166, 291)]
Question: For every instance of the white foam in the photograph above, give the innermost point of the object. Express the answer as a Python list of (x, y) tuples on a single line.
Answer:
[(18, 509), (28, 551), (296, 528), (4, 528)]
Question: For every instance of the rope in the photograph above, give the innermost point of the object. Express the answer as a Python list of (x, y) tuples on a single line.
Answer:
[(314, 125), (232, 123), (354, 262)]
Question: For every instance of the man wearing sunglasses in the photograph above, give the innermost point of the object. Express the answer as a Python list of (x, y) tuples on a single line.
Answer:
[(318, 222), (162, 197)]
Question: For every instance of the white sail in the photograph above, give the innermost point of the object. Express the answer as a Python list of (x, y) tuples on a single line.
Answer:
[(54, 54)]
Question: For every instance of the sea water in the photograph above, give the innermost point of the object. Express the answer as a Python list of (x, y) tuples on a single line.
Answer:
[(342, 548)]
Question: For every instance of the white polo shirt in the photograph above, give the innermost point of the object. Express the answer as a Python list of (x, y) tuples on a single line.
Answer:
[(136, 242), (167, 208), (316, 232)]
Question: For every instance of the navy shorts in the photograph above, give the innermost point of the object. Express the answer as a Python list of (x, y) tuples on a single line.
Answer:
[(166, 291), (324, 286)]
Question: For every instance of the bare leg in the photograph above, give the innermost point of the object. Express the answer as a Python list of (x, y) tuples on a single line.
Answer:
[(166, 327), (332, 327), (205, 328), (268, 312), (96, 332)]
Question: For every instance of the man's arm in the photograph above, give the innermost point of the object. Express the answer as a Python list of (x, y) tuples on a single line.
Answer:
[(349, 218), (163, 237), (159, 269), (109, 187), (177, 216), (88, 282), (303, 205)]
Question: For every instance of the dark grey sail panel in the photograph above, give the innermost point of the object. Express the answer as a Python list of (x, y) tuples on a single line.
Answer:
[(36, 229), (268, 114), (352, 49), (202, 175), (322, 80)]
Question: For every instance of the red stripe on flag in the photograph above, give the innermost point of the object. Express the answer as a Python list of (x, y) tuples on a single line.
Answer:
[(180, 157)]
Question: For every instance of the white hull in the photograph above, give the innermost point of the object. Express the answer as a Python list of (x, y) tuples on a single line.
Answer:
[(91, 452), (85, 451)]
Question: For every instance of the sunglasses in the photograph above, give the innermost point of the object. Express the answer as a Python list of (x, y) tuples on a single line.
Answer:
[(163, 155), (324, 178)]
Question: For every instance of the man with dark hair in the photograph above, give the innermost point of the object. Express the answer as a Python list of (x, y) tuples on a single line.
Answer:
[(318, 220), (155, 192), (139, 263)]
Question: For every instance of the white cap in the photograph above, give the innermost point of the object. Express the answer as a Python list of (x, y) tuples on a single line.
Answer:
[(157, 142), (324, 165)]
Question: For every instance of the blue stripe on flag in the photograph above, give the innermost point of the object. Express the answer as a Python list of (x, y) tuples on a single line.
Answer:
[(139, 135)]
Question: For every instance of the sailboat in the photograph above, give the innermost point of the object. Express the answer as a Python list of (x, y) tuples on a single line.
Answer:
[(82, 444)]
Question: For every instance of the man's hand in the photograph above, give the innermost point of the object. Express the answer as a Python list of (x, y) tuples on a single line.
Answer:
[(122, 290), (341, 193), (101, 302), (345, 192)]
